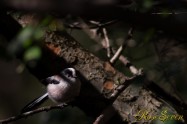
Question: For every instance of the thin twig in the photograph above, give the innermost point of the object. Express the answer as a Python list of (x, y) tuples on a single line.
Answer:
[(168, 13), (108, 47), (29, 113), (106, 115), (102, 25), (121, 48), (123, 59), (129, 65), (117, 54), (98, 119), (99, 25)]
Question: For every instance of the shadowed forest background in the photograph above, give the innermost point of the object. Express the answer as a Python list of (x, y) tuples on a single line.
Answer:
[(152, 35)]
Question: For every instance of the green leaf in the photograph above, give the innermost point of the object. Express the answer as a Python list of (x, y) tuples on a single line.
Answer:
[(32, 53)]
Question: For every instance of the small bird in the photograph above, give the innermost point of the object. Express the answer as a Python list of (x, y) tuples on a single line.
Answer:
[(60, 89)]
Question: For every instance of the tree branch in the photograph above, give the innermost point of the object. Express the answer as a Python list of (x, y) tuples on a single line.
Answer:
[(30, 113)]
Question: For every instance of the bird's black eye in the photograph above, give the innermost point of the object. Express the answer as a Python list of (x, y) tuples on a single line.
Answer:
[(69, 73)]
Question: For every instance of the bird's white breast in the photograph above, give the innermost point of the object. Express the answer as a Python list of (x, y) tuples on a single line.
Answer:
[(63, 91), (58, 92)]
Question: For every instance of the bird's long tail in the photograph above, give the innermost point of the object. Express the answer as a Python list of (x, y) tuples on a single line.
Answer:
[(35, 103)]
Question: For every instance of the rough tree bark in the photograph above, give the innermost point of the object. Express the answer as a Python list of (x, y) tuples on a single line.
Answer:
[(99, 80)]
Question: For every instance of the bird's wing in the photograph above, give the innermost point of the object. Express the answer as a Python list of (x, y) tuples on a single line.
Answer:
[(35, 103)]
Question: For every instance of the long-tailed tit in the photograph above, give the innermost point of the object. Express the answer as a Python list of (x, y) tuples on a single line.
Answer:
[(60, 88)]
